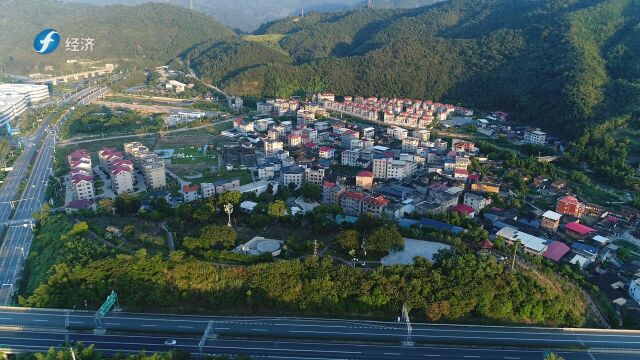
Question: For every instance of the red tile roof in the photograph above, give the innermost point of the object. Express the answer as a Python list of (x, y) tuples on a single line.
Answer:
[(364, 173), (376, 200), (463, 209), (328, 184), (579, 229), (569, 199), (190, 188), (556, 250)]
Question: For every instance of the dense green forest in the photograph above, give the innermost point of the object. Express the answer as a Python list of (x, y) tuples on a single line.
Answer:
[(149, 33), (560, 64), (456, 286)]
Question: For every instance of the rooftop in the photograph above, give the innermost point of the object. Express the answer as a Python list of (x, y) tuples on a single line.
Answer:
[(552, 215), (579, 229)]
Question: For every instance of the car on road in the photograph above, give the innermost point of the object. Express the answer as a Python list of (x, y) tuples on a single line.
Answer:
[(170, 342)]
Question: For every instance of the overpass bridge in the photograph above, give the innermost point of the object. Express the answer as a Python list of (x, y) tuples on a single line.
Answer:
[(54, 80)]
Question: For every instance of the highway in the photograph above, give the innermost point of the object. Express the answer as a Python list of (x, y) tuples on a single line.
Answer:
[(275, 349), (16, 209), (263, 330)]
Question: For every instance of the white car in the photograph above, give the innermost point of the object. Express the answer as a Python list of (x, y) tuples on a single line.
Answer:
[(170, 342)]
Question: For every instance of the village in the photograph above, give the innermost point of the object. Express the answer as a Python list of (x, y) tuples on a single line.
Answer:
[(406, 161)]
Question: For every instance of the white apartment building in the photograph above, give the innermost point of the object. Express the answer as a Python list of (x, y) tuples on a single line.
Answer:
[(410, 144), (535, 137), (271, 147), (294, 174), (380, 168), (82, 187), (208, 190), (350, 157), (477, 202), (314, 176), (397, 133), (121, 176)]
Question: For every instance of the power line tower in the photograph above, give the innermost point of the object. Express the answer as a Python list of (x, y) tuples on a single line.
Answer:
[(370, 4)]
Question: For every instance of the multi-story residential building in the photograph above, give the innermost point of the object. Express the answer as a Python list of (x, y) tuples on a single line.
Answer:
[(423, 135), (400, 169), (374, 205), (331, 193), (208, 190), (121, 175), (346, 138), (535, 137), (364, 180), (222, 186), (292, 175), (264, 108), (190, 192), (107, 156), (569, 205), (350, 157), (147, 162), (351, 202), (271, 147), (314, 176), (294, 140), (550, 220), (410, 144), (476, 201), (398, 133), (82, 187), (379, 167), (326, 152), (262, 125), (266, 171), (368, 133), (356, 203)]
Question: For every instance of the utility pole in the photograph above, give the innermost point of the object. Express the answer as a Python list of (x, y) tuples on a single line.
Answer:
[(513, 261)]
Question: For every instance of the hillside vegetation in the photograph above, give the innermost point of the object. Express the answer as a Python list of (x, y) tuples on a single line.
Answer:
[(560, 64), (149, 33)]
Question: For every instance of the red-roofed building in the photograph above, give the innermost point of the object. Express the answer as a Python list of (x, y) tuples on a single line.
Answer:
[(461, 174), (556, 250), (364, 180), (569, 205), (577, 230), (331, 193), (326, 152), (486, 245), (465, 210), (77, 205), (121, 176), (356, 203), (190, 192)]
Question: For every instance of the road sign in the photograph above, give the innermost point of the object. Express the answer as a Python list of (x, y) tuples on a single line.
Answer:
[(112, 299)]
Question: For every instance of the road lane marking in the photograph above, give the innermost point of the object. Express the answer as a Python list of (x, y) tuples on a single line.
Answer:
[(185, 327), (40, 320), (431, 355), (259, 330), (472, 356), (6, 318), (75, 322), (112, 324), (148, 325), (512, 358), (222, 328), (394, 354)]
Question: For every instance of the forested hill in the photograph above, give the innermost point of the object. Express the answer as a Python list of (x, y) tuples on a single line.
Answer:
[(149, 32), (557, 63)]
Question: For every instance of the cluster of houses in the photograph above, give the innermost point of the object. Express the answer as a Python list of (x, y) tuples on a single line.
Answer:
[(402, 112), (120, 170)]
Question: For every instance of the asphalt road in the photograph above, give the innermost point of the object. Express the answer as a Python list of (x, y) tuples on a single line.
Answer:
[(275, 349), (307, 329), (16, 210)]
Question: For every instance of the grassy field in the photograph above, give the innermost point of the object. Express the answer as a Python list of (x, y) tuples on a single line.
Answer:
[(191, 155), (209, 176), (109, 122), (270, 40)]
